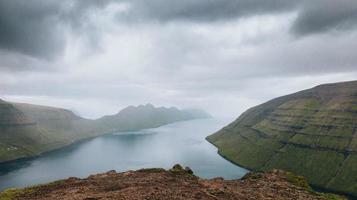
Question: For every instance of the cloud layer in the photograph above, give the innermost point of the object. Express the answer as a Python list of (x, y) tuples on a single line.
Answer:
[(99, 56), (38, 28)]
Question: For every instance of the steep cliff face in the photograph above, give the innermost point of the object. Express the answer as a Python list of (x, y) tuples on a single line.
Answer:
[(60, 122), (10, 116), (20, 136), (312, 133), (29, 130), (176, 183)]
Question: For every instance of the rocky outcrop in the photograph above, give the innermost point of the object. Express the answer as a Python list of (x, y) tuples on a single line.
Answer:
[(311, 133), (176, 183)]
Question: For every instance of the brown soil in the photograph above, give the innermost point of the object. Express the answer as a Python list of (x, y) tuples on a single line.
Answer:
[(176, 183)]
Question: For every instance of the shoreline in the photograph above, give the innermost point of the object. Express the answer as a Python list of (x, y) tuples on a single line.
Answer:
[(315, 187), (83, 140)]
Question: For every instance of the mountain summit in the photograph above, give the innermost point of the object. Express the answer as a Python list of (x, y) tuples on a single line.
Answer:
[(311, 133)]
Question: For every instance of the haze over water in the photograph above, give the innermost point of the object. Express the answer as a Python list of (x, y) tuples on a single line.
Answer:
[(182, 142)]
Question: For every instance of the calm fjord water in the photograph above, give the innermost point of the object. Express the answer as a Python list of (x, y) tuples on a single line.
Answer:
[(182, 142)]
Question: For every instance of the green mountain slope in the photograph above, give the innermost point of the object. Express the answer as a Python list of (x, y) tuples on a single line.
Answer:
[(29, 130), (312, 133), (19, 135), (62, 123)]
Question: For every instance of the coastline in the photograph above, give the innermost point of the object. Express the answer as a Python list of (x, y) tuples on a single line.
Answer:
[(24, 158), (315, 187)]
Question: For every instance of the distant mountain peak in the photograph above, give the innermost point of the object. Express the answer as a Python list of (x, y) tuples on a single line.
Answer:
[(148, 116), (149, 105)]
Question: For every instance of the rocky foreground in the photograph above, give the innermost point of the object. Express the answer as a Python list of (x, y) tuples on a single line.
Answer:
[(176, 183)]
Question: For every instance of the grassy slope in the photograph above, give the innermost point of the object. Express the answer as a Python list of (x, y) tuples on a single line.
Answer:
[(37, 129), (19, 136), (311, 133), (62, 123)]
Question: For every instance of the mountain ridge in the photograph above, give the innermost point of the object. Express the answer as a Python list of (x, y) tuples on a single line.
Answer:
[(311, 133), (147, 116)]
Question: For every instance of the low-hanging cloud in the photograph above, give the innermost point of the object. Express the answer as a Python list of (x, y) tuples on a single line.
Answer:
[(324, 15), (313, 16), (38, 28), (30, 27), (205, 10)]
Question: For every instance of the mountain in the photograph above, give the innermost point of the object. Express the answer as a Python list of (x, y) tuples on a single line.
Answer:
[(176, 183), (28, 130), (19, 135), (312, 133), (147, 116), (62, 122), (10, 116), (197, 113)]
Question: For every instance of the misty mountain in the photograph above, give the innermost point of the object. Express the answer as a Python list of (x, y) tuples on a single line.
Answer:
[(147, 116), (29, 130)]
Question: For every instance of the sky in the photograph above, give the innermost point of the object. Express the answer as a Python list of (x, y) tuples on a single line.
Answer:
[(224, 56)]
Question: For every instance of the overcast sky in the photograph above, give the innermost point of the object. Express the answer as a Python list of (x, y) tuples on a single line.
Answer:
[(224, 56)]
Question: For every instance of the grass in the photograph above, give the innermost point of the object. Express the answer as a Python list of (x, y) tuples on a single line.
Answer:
[(330, 196), (13, 193), (298, 181), (10, 194)]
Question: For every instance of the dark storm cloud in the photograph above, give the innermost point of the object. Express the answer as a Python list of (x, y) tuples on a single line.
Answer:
[(37, 28), (206, 10), (313, 16), (324, 15), (30, 27)]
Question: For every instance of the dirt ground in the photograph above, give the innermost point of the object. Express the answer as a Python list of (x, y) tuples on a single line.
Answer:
[(176, 183)]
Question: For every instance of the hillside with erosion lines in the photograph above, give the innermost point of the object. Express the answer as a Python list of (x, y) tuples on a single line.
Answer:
[(312, 133)]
